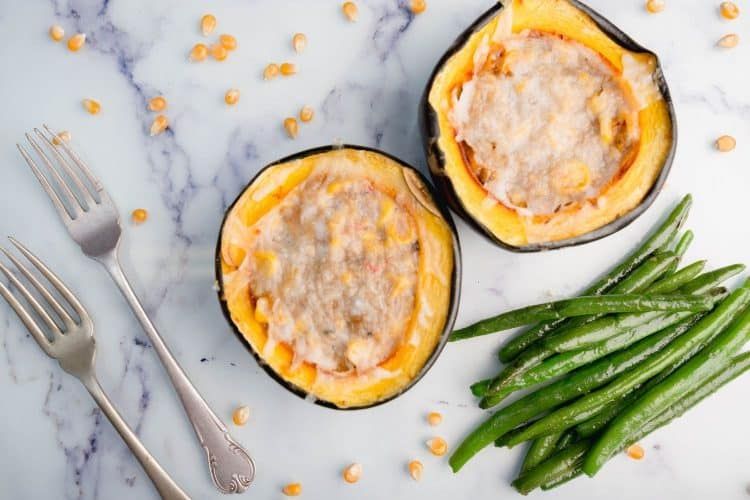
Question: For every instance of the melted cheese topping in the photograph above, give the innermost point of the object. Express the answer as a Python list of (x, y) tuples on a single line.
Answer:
[(333, 272), (545, 122)]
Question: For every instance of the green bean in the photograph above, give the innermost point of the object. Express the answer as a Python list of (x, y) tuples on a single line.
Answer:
[(569, 361), (703, 365), (508, 379), (637, 281), (557, 466), (738, 365), (681, 348), (564, 477), (676, 280), (599, 421), (684, 243), (523, 340), (501, 384), (479, 389), (566, 439), (710, 279), (609, 326), (519, 375), (579, 382), (584, 306), (646, 274), (540, 450), (688, 278), (658, 239), (566, 362), (490, 400), (733, 369), (502, 441), (600, 331), (603, 328)]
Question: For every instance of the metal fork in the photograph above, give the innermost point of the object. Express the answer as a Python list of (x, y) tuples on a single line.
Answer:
[(92, 220), (71, 342)]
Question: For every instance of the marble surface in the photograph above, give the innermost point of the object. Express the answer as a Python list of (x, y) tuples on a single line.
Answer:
[(364, 79)]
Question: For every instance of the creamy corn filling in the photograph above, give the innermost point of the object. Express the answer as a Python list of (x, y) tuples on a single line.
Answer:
[(545, 122), (333, 272)]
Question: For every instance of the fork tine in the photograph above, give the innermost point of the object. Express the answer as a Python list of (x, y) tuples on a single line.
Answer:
[(27, 320), (52, 278), (41, 311), (61, 312), (80, 163), (82, 189), (69, 196), (45, 184)]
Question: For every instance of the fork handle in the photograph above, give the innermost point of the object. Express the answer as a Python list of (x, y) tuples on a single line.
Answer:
[(232, 470), (164, 484)]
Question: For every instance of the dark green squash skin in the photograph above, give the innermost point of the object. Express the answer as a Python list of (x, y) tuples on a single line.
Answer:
[(455, 279), (428, 124)]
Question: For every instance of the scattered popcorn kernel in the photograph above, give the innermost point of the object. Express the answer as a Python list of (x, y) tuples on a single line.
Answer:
[(635, 452), (350, 10), (352, 473), (157, 104), (418, 6), (139, 216), (729, 10), (76, 42), (219, 52), (291, 127), (299, 42), (292, 490), (208, 24), (288, 69), (437, 446), (199, 52), (415, 470), (159, 125), (61, 137), (434, 418), (654, 6), (306, 114), (729, 41), (241, 415), (725, 143), (232, 97), (56, 32), (92, 106), (228, 42), (271, 71)]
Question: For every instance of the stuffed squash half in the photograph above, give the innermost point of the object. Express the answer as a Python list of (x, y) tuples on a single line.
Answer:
[(341, 273), (546, 126)]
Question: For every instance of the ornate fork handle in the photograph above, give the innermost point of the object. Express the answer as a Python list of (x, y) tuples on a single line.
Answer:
[(232, 469)]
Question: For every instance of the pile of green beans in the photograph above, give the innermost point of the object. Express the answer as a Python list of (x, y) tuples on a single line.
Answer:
[(638, 348)]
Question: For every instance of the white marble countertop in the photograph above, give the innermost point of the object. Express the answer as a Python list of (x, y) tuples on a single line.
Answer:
[(364, 79)]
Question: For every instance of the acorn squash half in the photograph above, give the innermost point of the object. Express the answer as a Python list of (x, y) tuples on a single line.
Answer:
[(341, 274), (636, 167)]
